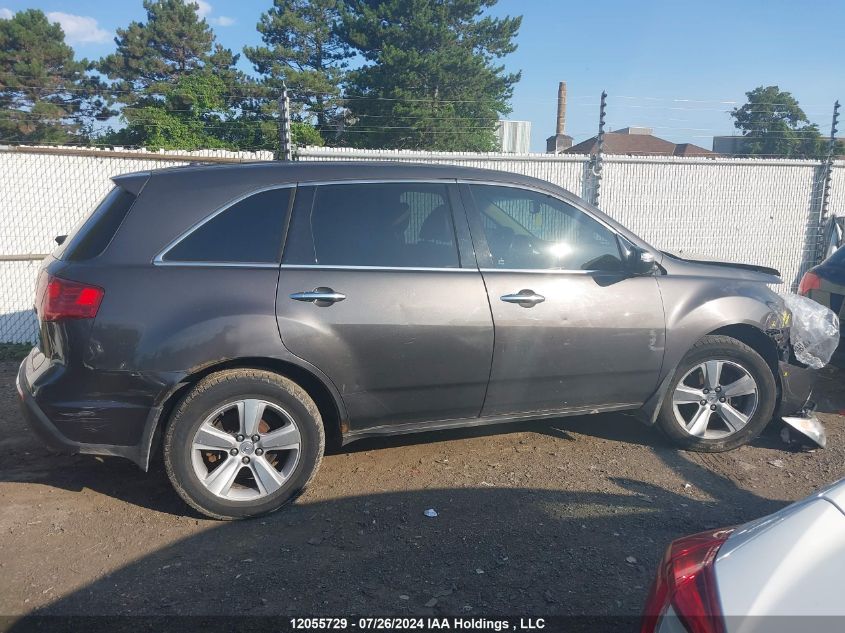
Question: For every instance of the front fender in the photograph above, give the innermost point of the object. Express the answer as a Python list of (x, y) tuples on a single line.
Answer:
[(694, 310)]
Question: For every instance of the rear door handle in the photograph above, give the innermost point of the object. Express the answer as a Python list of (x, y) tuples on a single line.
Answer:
[(319, 296), (525, 298)]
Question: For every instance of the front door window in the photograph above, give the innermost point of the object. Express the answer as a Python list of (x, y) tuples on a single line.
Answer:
[(528, 230)]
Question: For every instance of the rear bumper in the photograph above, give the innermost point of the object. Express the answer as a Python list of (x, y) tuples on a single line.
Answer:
[(38, 422), (43, 388)]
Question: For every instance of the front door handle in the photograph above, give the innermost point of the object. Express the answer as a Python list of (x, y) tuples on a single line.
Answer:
[(319, 296), (525, 298)]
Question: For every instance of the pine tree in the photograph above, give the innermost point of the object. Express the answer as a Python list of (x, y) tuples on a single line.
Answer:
[(46, 96), (303, 48), (179, 88), (432, 81), (172, 43)]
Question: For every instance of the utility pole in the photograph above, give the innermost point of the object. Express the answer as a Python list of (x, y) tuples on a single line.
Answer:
[(598, 158), (826, 182), (284, 126)]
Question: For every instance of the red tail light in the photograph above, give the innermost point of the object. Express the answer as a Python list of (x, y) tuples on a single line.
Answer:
[(63, 299), (810, 281), (686, 582)]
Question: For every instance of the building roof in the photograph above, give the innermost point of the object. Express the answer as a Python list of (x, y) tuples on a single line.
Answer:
[(688, 149), (638, 145)]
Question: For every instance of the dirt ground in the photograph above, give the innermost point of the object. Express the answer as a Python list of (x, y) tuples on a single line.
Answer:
[(562, 517)]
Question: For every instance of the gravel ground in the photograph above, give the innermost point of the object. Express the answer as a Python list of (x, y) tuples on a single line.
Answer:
[(561, 517)]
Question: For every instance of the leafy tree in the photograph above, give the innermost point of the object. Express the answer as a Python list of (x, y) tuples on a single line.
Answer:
[(46, 96), (189, 116), (775, 125), (193, 114), (303, 135), (303, 48), (432, 81)]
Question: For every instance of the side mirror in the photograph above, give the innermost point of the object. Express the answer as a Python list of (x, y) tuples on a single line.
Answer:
[(60, 239), (638, 261), (644, 264)]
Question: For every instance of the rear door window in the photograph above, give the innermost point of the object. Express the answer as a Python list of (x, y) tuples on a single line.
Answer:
[(396, 225), (95, 233), (247, 232)]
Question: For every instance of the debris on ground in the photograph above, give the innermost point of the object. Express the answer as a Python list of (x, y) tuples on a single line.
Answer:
[(806, 427), (431, 512)]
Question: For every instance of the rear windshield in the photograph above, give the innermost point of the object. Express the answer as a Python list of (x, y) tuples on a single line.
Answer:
[(95, 233)]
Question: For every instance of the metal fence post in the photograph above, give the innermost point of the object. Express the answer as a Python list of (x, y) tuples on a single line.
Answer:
[(827, 178), (598, 158), (285, 152)]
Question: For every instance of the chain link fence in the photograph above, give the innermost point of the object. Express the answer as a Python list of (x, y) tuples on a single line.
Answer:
[(762, 211)]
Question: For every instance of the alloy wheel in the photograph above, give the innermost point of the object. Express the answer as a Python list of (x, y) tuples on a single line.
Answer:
[(246, 450), (715, 399)]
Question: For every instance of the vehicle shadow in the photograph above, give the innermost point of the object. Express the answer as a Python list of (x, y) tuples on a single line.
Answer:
[(488, 551)]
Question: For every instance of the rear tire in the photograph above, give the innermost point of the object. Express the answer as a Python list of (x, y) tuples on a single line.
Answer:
[(722, 396), (243, 443)]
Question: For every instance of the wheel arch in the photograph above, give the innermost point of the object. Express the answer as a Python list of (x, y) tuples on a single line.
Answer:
[(755, 338), (752, 335), (328, 402)]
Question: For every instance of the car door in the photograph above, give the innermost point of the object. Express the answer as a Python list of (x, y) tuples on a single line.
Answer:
[(374, 291), (574, 330)]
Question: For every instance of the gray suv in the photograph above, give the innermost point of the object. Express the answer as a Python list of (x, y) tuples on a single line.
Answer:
[(241, 317)]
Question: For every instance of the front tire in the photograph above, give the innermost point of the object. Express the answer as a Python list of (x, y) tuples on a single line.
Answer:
[(721, 397), (243, 443)]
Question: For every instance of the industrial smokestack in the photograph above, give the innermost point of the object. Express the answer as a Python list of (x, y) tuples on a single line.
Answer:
[(561, 108), (560, 142)]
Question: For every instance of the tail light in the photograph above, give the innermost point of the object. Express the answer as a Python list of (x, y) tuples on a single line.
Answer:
[(810, 281), (686, 582), (63, 299)]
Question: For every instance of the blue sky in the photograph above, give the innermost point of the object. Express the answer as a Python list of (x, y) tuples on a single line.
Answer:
[(677, 66)]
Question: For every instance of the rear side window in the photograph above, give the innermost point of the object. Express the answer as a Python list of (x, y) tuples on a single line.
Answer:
[(249, 231), (91, 239), (401, 225)]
